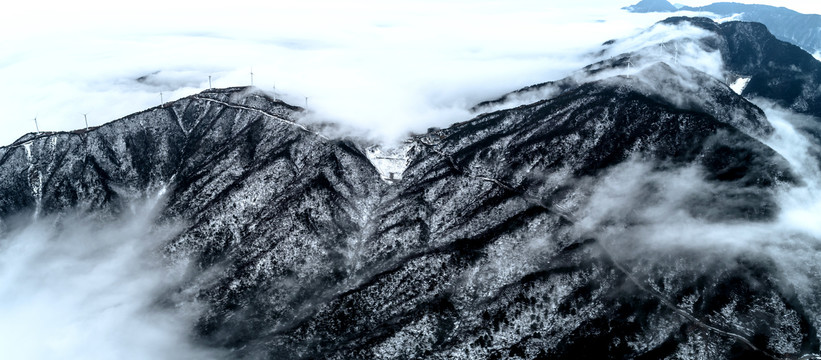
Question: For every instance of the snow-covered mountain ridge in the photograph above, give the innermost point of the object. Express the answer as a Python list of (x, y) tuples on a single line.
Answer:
[(531, 231)]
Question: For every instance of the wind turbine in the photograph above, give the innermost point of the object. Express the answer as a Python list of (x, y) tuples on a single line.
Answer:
[(306, 102), (36, 126), (676, 55), (209, 81), (252, 76), (664, 50), (85, 117), (161, 101)]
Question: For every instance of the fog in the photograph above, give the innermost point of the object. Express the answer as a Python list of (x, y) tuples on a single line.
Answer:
[(382, 69), (678, 46), (640, 212), (77, 288)]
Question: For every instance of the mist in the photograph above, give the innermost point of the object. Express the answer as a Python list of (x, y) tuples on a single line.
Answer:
[(637, 58), (381, 70), (641, 213), (654, 201), (76, 287)]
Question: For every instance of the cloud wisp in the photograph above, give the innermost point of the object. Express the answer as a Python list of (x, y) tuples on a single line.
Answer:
[(640, 212), (73, 287), (639, 58)]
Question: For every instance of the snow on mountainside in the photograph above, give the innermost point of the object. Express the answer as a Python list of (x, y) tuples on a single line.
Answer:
[(632, 210), (739, 85), (390, 163)]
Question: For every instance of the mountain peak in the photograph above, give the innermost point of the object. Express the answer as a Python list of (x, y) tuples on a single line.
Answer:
[(652, 6)]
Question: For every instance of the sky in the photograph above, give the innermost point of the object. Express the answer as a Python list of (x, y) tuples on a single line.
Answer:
[(382, 70)]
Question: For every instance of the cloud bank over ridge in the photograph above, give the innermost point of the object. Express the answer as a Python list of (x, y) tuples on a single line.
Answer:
[(384, 69)]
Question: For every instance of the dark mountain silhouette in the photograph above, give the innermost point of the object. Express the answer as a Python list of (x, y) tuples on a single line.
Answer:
[(788, 25)]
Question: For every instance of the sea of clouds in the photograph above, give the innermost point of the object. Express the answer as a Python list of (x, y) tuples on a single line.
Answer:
[(384, 69)]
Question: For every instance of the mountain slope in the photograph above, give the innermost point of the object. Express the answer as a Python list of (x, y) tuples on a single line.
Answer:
[(787, 25), (527, 232), (774, 69)]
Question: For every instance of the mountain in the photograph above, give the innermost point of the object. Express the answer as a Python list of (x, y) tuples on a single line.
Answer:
[(773, 69), (788, 25), (520, 233), (645, 6)]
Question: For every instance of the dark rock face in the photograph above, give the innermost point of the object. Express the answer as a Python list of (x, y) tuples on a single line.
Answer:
[(787, 25), (300, 250), (777, 71)]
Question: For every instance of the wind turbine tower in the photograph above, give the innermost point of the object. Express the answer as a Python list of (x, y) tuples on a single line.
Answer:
[(676, 55), (36, 126), (85, 117), (252, 76)]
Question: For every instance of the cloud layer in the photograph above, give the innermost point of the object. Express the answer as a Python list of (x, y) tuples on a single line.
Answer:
[(386, 69)]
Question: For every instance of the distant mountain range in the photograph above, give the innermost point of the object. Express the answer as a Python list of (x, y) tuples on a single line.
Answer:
[(788, 25), (646, 6)]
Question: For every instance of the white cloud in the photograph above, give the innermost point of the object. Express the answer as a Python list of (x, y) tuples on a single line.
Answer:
[(389, 69), (386, 69), (640, 212), (801, 204), (76, 288)]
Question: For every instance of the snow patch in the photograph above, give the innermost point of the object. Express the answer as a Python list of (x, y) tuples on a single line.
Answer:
[(739, 85), (35, 178), (27, 146), (390, 163)]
